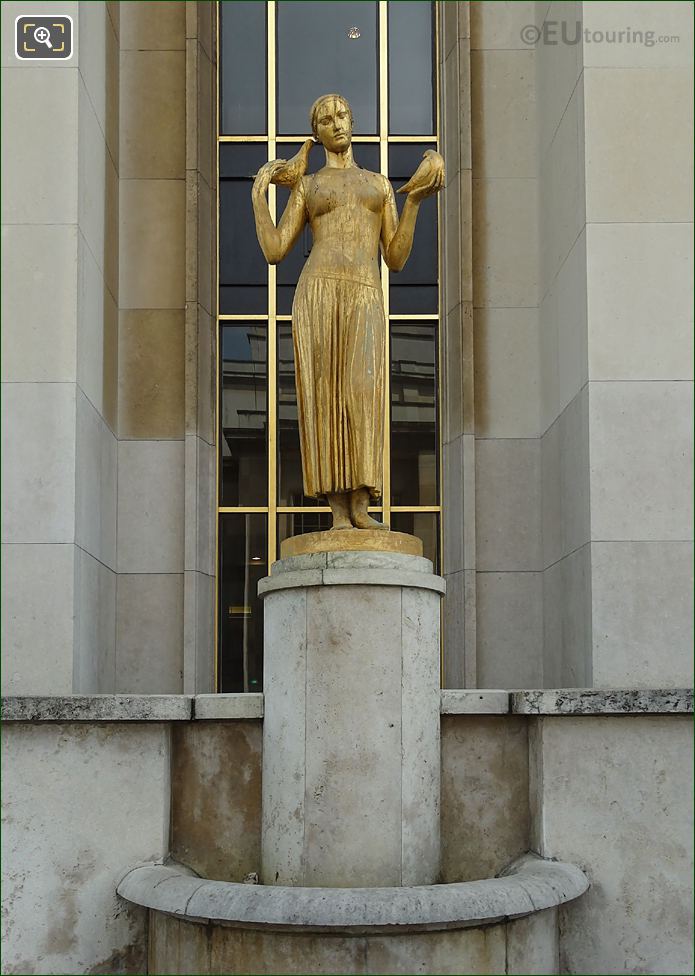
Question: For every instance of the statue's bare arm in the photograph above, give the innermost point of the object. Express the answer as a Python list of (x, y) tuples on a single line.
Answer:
[(277, 242), (397, 235)]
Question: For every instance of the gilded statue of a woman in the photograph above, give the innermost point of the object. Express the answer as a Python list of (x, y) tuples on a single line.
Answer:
[(338, 322)]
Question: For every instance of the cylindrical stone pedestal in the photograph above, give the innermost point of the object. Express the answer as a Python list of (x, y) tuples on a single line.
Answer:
[(351, 727)]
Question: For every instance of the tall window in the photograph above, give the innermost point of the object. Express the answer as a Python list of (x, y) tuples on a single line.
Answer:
[(275, 59)]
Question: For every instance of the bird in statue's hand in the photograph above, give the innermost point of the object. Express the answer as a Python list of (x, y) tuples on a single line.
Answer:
[(428, 178), (292, 170)]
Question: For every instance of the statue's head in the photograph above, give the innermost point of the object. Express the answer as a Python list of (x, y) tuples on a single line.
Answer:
[(331, 122)]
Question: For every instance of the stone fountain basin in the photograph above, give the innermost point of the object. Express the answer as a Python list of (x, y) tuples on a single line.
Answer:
[(528, 885)]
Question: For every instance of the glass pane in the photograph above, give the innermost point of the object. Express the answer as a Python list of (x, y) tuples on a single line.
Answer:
[(243, 444), (290, 486), (243, 71), (243, 269), (322, 48), (414, 455), (411, 60), (414, 289), (424, 525), (243, 562), (413, 299), (243, 300), (242, 160)]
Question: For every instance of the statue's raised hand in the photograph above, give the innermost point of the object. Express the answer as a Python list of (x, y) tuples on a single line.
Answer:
[(427, 179), (284, 172)]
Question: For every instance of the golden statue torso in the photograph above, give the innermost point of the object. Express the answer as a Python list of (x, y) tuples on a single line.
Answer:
[(344, 208)]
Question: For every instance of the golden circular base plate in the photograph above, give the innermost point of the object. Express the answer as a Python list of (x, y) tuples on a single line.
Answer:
[(351, 540)]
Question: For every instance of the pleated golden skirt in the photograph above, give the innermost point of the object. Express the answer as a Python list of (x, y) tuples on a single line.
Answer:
[(339, 330)]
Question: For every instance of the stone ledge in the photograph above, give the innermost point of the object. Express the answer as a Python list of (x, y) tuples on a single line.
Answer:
[(454, 701), (597, 701), (97, 708), (231, 706), (529, 885), (469, 701)]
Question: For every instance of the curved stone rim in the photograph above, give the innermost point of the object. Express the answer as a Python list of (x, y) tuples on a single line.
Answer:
[(350, 577), (529, 885)]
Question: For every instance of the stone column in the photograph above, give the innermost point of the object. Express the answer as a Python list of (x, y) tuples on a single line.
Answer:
[(351, 730)]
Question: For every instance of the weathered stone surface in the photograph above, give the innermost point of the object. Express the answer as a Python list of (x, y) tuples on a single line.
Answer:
[(290, 581), (229, 706), (532, 945), (97, 708), (354, 576), (351, 728), (350, 560), (384, 577), (459, 701), (216, 797), (420, 736), (77, 800), (615, 795), (589, 701), (529, 885), (178, 946), (485, 794)]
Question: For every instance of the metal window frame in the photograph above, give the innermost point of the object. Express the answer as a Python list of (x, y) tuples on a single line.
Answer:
[(384, 140)]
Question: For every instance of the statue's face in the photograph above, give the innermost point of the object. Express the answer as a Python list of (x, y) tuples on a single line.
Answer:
[(333, 125)]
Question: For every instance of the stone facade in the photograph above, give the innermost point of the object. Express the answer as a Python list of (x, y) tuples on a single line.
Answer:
[(587, 788)]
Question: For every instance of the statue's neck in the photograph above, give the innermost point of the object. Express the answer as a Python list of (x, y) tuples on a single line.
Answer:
[(342, 160)]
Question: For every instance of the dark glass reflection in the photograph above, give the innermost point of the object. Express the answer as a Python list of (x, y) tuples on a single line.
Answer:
[(413, 291), (326, 47), (243, 562), (414, 462), (243, 414), (243, 269), (411, 63), (424, 525), (290, 486), (243, 71)]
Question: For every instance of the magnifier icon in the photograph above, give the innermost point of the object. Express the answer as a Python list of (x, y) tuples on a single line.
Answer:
[(42, 35)]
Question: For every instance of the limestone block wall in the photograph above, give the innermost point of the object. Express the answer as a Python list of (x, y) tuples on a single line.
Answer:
[(508, 559), (639, 204), (616, 346), (563, 354), (149, 618), (613, 795), (97, 351), (581, 348), (70, 829), (600, 779), (200, 388), (458, 440), (60, 254)]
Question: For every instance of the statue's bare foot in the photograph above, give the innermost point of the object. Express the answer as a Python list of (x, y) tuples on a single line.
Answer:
[(340, 508), (361, 519), (364, 521)]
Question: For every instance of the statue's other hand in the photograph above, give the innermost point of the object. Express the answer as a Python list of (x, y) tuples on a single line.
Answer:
[(266, 173), (427, 179), (293, 170)]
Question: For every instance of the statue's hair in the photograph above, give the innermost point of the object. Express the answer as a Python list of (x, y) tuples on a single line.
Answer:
[(314, 114)]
